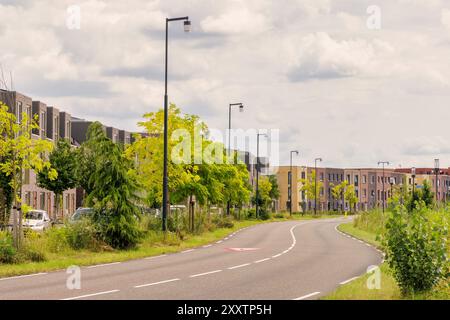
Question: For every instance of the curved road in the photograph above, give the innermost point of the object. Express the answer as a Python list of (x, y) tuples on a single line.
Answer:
[(280, 260)]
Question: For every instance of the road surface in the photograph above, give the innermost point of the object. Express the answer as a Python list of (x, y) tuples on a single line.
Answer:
[(280, 260)]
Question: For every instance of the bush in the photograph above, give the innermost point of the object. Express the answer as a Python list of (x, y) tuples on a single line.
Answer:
[(57, 239), (264, 214), (7, 250), (83, 235), (223, 222), (371, 221), (416, 247)]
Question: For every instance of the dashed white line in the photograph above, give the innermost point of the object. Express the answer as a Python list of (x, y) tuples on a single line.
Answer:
[(207, 246), (307, 296), (262, 260), (186, 251), (220, 241), (204, 274), (24, 276), (349, 280), (155, 257), (92, 295), (239, 266), (156, 283), (103, 265)]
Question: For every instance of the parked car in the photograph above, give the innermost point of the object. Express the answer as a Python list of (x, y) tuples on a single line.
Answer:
[(81, 213), (37, 220)]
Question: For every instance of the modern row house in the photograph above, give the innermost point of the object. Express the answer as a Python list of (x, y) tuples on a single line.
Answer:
[(373, 186), (54, 124)]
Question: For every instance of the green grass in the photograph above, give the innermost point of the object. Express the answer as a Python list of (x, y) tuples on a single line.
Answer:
[(154, 244), (357, 289)]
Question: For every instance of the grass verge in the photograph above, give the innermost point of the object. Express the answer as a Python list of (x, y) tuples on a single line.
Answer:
[(153, 245), (358, 290)]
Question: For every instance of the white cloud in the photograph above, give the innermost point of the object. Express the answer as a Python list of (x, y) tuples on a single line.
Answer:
[(319, 56)]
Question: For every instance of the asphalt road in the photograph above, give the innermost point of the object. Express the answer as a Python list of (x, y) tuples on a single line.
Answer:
[(281, 260)]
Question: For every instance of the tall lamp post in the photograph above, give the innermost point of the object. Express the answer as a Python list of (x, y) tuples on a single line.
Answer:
[(241, 109), (436, 171), (290, 182), (187, 28), (257, 172), (383, 163), (315, 184), (392, 182), (413, 175)]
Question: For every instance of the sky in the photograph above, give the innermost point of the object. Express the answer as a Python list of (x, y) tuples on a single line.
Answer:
[(351, 81)]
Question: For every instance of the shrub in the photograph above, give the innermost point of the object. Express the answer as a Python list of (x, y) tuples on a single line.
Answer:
[(83, 235), (264, 214), (223, 222), (416, 248), (7, 250), (57, 239)]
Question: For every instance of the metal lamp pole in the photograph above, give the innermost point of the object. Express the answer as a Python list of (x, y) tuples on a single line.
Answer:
[(241, 109), (290, 182), (384, 196), (315, 184), (413, 175), (187, 28), (436, 171), (257, 172)]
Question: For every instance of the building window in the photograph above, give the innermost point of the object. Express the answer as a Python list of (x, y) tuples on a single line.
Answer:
[(364, 179)]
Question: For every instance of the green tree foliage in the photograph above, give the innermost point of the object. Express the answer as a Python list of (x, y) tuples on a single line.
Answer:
[(309, 187), (62, 159), (338, 192), (19, 152), (275, 190), (6, 196), (112, 189), (192, 171), (421, 197), (416, 247), (350, 197)]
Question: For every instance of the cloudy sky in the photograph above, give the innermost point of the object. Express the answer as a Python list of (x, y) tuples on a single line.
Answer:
[(320, 71)]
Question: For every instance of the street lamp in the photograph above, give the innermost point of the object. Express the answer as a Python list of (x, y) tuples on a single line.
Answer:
[(392, 182), (257, 171), (290, 182), (384, 196), (241, 109), (187, 28), (315, 184), (436, 171), (413, 175)]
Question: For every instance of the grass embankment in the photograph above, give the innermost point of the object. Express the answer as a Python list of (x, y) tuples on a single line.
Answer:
[(358, 290), (154, 244)]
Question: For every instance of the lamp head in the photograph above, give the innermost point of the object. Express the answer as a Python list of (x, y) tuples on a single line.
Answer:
[(241, 108), (187, 26), (436, 163), (413, 171)]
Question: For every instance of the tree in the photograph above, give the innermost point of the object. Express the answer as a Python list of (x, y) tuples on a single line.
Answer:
[(62, 159), (275, 190), (309, 187), (350, 196), (263, 197), (6, 196), (20, 152), (112, 189), (338, 192)]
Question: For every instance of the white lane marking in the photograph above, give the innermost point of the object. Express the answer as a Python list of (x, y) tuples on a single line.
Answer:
[(24, 276), (286, 251), (155, 257), (91, 295), (103, 265), (207, 246), (368, 245), (239, 266), (262, 260), (156, 283), (220, 241), (276, 256), (204, 274), (360, 241), (348, 280), (186, 251), (307, 296)]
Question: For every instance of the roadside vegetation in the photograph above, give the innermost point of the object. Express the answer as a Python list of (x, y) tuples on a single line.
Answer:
[(413, 233)]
